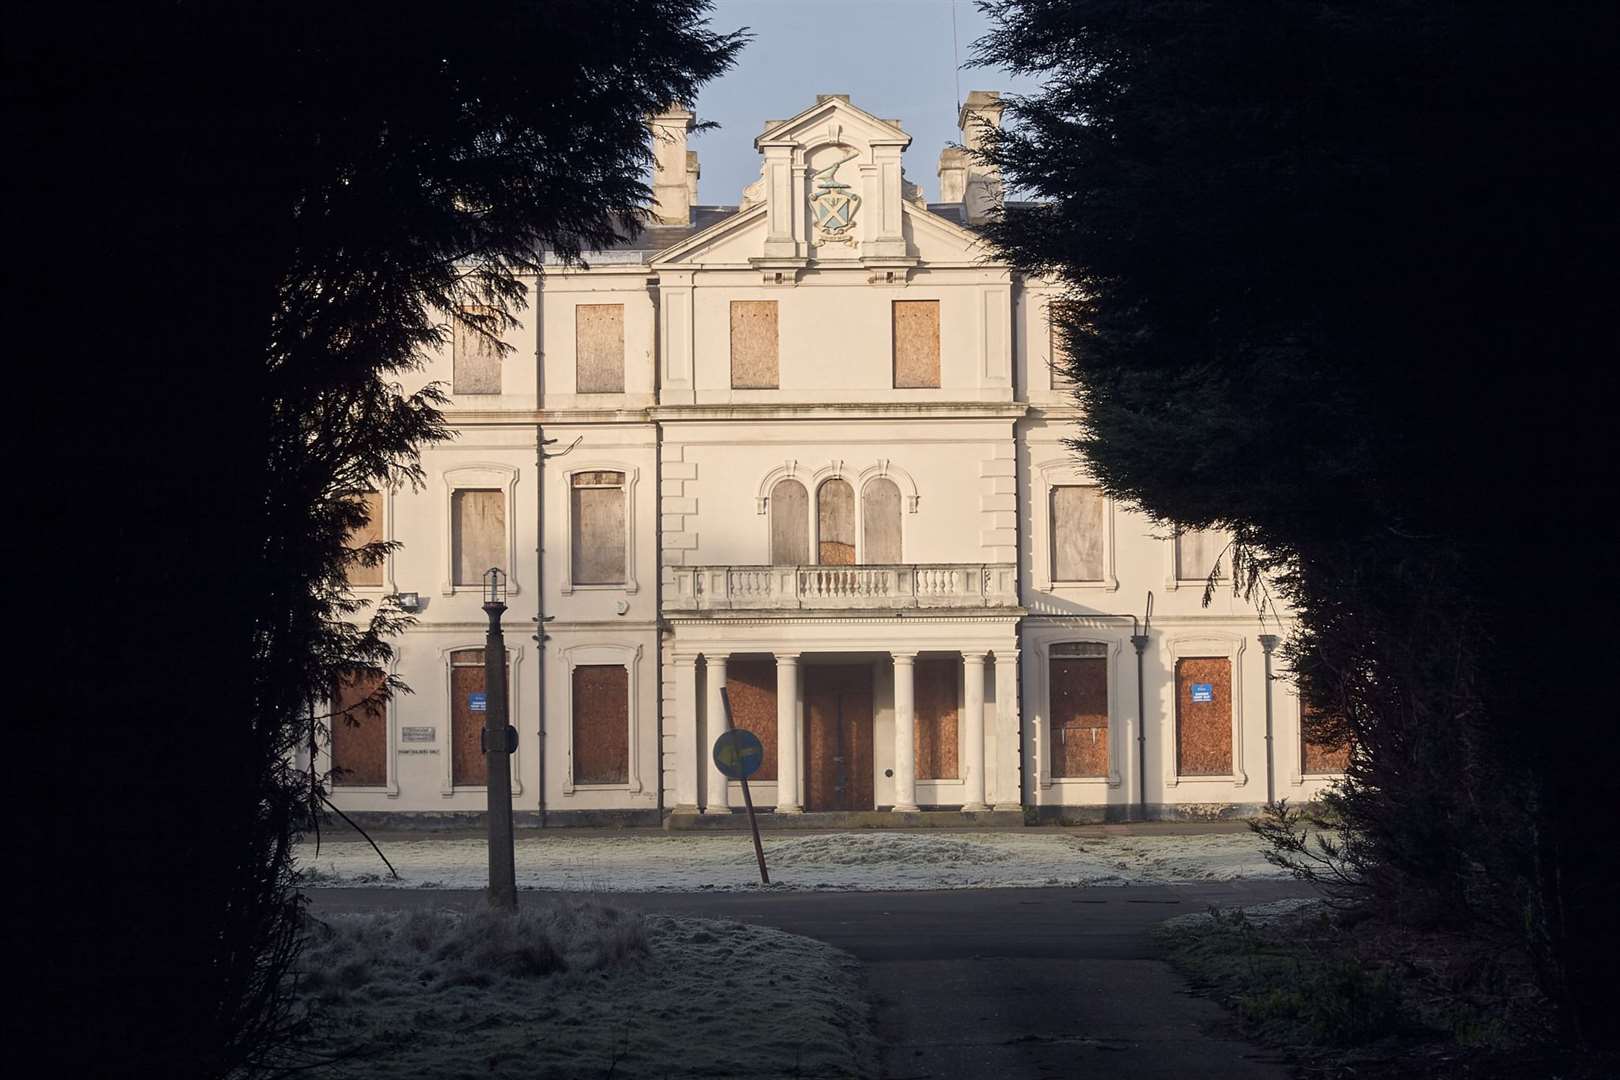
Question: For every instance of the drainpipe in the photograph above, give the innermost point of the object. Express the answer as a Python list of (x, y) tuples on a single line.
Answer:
[(540, 612), (540, 616), (1268, 642), (1139, 639)]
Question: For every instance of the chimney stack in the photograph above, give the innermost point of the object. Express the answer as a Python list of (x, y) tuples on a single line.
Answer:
[(981, 188), (674, 173), (692, 174)]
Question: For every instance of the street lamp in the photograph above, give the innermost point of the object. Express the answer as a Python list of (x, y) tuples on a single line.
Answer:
[(499, 742)]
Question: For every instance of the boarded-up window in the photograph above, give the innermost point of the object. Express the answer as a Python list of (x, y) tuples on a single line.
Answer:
[(1324, 743), (597, 543), (599, 348), (477, 533), (476, 363), (935, 702), (1078, 689), (468, 710), (790, 524), (835, 524), (359, 730), (1204, 716), (880, 521), (369, 533), (1197, 551), (751, 688), (1077, 534), (754, 363), (916, 343), (601, 724)]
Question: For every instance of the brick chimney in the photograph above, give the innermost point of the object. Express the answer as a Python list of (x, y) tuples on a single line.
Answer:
[(674, 173)]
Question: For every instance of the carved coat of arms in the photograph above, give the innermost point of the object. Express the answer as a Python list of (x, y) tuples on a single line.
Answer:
[(833, 205)]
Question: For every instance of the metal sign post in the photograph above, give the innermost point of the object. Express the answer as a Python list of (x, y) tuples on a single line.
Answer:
[(738, 754)]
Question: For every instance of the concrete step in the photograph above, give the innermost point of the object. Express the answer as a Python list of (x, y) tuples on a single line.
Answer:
[(834, 820)]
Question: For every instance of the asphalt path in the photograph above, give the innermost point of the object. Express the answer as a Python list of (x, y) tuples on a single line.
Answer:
[(1026, 984)]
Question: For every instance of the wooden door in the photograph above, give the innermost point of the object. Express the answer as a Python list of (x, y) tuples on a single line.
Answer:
[(838, 738)]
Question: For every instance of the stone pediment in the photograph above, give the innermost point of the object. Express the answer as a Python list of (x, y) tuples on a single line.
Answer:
[(830, 193), (808, 128)]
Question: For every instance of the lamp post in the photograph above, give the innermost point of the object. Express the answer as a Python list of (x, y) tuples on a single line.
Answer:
[(499, 742)]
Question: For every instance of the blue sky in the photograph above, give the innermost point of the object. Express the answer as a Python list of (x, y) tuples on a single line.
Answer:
[(892, 57)]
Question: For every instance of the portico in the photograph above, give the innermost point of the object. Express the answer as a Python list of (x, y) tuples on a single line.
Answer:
[(851, 720)]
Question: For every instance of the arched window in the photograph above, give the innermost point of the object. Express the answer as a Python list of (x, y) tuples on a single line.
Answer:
[(880, 521), (790, 524), (835, 523)]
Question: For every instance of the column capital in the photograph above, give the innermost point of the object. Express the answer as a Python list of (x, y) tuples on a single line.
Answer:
[(684, 659), (787, 657), (712, 655), (974, 657), (903, 657)]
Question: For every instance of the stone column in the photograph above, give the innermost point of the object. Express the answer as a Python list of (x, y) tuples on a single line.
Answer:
[(787, 734), (686, 735), (905, 733), (1009, 791), (718, 801), (973, 730)]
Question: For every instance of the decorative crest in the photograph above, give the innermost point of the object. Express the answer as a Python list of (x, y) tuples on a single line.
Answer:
[(833, 204)]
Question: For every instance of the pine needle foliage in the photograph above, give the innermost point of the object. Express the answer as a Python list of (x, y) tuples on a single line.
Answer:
[(299, 201), (1333, 279)]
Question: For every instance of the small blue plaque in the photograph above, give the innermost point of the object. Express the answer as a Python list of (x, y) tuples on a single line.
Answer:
[(477, 702), (1203, 691)]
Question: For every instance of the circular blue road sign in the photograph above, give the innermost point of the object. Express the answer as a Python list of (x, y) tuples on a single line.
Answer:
[(738, 754)]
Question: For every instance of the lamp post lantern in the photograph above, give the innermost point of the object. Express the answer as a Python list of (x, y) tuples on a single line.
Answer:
[(500, 742)]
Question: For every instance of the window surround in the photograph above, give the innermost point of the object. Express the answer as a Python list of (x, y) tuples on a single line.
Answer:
[(629, 658), (1298, 776), (1064, 472), (631, 475), (1172, 578), (323, 756), (1043, 728), (1207, 644), (790, 470), (481, 475), (514, 685), (385, 531)]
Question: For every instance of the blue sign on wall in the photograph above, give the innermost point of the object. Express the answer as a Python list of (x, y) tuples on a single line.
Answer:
[(1203, 691), (476, 702)]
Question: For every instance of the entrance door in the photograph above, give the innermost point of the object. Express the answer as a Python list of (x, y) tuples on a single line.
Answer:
[(838, 737)]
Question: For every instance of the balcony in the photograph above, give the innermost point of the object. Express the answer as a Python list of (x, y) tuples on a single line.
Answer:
[(808, 588)]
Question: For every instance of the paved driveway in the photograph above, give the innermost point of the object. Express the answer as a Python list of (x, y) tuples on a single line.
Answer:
[(992, 983)]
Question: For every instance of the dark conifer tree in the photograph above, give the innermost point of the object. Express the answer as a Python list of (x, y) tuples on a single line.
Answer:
[(1337, 279), (237, 228)]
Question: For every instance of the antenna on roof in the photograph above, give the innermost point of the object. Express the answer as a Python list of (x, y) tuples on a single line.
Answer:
[(956, 59)]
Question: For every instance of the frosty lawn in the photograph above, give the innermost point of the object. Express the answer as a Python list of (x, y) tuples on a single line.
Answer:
[(686, 862), (571, 990)]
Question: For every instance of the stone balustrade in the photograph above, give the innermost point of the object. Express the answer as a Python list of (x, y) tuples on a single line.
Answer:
[(882, 587)]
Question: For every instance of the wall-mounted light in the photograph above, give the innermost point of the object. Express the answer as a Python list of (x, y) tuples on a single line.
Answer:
[(408, 601)]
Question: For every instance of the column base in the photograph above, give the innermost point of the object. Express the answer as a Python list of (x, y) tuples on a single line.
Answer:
[(685, 808), (718, 811), (905, 808), (790, 809), (1009, 806), (974, 808)]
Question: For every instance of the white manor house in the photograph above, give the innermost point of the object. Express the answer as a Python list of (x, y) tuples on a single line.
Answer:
[(817, 459)]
